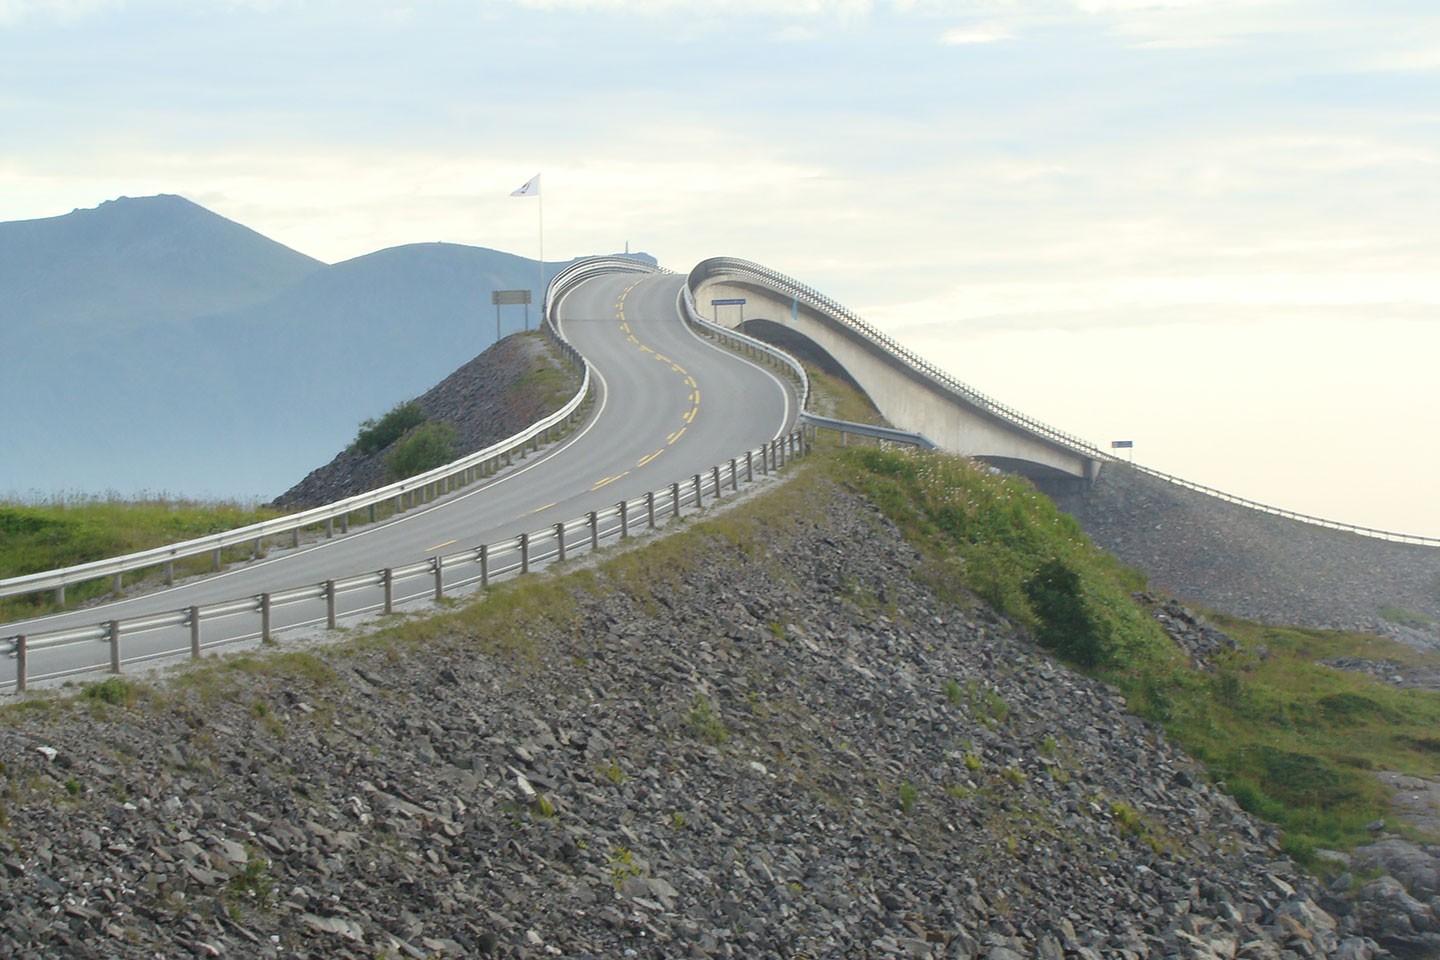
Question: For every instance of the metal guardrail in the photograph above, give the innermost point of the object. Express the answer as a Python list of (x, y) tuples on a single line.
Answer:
[(718, 267), (482, 565), (747, 344), (403, 494), (888, 434), (1373, 532)]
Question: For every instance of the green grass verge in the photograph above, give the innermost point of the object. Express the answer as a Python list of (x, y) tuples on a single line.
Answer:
[(1296, 743), (35, 538)]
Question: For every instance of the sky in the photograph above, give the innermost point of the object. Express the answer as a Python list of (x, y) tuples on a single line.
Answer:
[(1206, 227)]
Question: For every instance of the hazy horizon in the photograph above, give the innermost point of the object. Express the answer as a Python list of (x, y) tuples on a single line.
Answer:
[(1204, 227)]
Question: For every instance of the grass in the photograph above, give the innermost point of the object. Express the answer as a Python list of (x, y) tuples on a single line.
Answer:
[(1295, 742)]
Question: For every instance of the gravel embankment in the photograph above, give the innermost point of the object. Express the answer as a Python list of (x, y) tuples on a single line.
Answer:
[(790, 749), (1251, 564)]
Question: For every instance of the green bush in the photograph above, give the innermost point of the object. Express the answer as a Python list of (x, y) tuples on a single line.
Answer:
[(427, 446), (376, 435), (1067, 626)]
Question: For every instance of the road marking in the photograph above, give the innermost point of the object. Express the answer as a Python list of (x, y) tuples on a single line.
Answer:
[(690, 417), (646, 349), (609, 480), (645, 460), (624, 326), (695, 398), (691, 381), (541, 509), (662, 358), (675, 436), (632, 339), (438, 546), (677, 368)]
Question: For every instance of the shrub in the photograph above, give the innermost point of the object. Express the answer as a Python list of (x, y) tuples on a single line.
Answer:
[(1067, 625), (376, 435), (428, 446)]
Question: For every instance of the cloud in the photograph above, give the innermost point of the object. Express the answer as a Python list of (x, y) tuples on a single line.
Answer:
[(982, 33)]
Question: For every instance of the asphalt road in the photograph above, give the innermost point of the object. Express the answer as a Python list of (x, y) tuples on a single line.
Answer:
[(668, 404)]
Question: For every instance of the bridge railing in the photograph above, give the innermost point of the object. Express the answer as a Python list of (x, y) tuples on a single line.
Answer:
[(197, 628), (748, 344), (720, 267), (403, 494)]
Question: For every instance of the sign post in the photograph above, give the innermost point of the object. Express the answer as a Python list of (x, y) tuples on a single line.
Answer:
[(1124, 445), (729, 302), (509, 297)]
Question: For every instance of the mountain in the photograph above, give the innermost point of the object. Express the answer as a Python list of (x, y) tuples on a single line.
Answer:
[(157, 347), (134, 261)]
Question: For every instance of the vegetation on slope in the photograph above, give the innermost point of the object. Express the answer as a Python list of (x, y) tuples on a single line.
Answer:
[(1294, 741)]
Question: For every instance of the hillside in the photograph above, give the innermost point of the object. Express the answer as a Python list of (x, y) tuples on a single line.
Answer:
[(766, 736), (132, 262), (1250, 564), (208, 362)]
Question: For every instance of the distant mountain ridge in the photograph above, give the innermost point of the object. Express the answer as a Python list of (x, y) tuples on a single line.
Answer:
[(134, 261), (149, 345)]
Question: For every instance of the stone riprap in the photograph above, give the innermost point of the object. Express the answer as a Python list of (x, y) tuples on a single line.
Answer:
[(776, 746)]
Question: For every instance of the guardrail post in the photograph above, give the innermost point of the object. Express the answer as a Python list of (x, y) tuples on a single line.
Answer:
[(169, 573), (675, 499), (650, 509), (215, 559), (697, 491), (255, 554), (372, 514), (295, 533), (624, 520), (734, 476), (330, 604), (780, 455), (439, 564), (119, 584), (265, 619), (524, 553), (560, 541), (344, 523), (484, 565), (387, 580), (329, 527), (594, 530), (749, 466), (114, 646), (715, 477), (194, 633), (60, 595), (20, 643)]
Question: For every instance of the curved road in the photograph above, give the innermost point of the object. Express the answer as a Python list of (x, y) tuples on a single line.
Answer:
[(667, 404)]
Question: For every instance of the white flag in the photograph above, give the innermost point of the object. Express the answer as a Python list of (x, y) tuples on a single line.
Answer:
[(531, 188)]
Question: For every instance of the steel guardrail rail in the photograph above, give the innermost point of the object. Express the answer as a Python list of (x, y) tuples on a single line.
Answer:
[(481, 565), (888, 434), (779, 282), (797, 370), (461, 469), (816, 300)]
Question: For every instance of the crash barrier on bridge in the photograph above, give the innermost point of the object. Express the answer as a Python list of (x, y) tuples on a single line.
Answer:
[(408, 493), (722, 267), (479, 566), (719, 268), (746, 344)]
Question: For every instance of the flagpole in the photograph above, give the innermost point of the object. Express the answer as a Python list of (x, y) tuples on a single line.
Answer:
[(540, 195)]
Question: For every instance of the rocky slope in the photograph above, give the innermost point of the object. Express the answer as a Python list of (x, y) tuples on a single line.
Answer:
[(494, 396), (763, 737), (1251, 564)]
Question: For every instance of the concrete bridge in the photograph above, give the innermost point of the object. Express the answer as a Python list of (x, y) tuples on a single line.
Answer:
[(911, 393)]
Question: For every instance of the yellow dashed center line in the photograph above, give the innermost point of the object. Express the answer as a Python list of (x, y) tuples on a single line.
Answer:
[(646, 349), (609, 480), (690, 417), (439, 545), (539, 509), (645, 460), (676, 435)]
